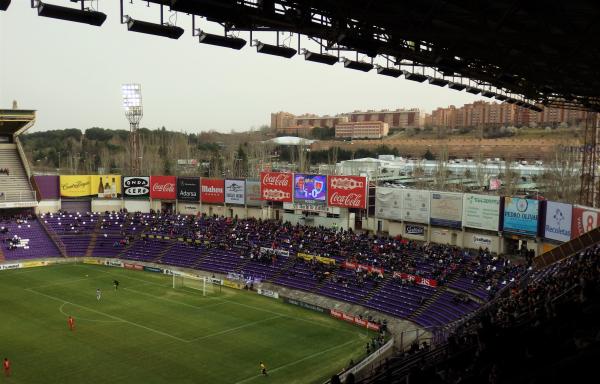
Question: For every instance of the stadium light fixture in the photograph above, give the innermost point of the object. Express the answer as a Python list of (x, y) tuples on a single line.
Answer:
[(4, 5), (456, 86), (165, 30), (414, 76), (358, 65), (132, 104), (473, 90), (501, 97), (275, 50), (71, 14), (221, 41), (438, 82), (320, 57), (386, 71), (489, 94)]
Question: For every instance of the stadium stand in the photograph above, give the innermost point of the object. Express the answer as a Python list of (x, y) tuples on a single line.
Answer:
[(14, 183)]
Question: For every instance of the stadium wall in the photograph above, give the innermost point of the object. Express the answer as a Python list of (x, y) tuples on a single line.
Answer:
[(448, 236), (47, 206), (103, 205), (137, 205)]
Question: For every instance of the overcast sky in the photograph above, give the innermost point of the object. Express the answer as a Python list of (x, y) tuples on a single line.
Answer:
[(71, 74)]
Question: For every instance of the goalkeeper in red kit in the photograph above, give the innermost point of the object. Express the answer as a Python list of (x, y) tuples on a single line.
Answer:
[(71, 322), (6, 366)]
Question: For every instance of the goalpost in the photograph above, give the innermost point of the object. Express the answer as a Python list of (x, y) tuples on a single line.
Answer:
[(202, 283)]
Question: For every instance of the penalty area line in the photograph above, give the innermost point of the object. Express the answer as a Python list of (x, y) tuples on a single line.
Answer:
[(108, 315)]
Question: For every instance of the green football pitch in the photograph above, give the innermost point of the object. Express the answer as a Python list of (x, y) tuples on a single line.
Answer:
[(148, 332)]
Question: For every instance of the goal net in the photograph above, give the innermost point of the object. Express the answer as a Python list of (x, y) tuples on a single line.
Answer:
[(202, 284)]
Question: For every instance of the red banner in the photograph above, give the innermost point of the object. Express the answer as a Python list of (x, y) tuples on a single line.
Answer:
[(163, 187), (373, 326), (584, 220), (349, 265), (363, 267), (336, 314), (347, 191), (354, 319), (277, 186), (212, 190), (133, 266), (417, 279)]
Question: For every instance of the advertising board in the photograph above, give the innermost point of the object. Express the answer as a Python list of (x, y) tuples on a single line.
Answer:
[(558, 221), (481, 211), (446, 209), (584, 220), (415, 206), (521, 215), (388, 203), (235, 192), (347, 191), (276, 186)]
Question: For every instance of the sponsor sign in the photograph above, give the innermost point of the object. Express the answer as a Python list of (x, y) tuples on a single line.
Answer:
[(233, 284), (320, 259), (153, 269), (415, 206), (136, 187), (276, 186), (114, 263), (106, 186), (87, 260), (75, 185), (10, 266), (278, 252), (347, 191), (137, 267), (235, 192), (188, 189), (311, 206), (163, 187), (483, 241), (521, 215), (363, 267), (584, 220), (353, 319), (302, 304), (253, 197), (188, 208), (415, 230), (481, 211), (417, 279), (216, 281), (310, 187), (446, 209), (558, 221), (266, 292), (212, 190), (388, 203), (32, 264)]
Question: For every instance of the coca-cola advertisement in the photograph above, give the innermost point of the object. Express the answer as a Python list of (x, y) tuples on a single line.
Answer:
[(277, 186), (212, 190), (163, 187), (347, 191), (188, 189)]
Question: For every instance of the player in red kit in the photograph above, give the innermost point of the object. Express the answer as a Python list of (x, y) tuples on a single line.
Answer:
[(6, 365), (71, 322)]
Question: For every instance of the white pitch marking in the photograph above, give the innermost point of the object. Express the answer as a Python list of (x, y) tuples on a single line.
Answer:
[(234, 329), (60, 309), (110, 316)]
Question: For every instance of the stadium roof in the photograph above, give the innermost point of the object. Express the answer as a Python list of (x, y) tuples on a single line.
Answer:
[(290, 140), (16, 121)]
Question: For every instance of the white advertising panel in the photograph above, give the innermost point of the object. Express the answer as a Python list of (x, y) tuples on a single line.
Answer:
[(415, 206), (481, 211), (388, 203), (235, 192), (446, 209), (558, 221)]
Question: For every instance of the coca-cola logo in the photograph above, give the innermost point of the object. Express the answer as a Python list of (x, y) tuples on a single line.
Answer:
[(166, 187), (279, 180), (349, 200)]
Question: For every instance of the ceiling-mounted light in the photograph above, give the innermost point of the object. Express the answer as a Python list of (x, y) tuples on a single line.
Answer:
[(320, 57), (358, 65), (170, 31), (501, 97), (456, 86), (438, 82), (473, 90), (489, 94), (221, 41), (386, 71), (275, 50), (414, 76), (71, 14)]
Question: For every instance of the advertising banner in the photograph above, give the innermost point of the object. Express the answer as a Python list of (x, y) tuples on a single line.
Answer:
[(320, 259), (278, 252), (363, 267), (163, 187), (10, 266), (310, 187), (136, 187), (233, 284), (521, 215), (153, 269), (106, 186), (558, 221), (482, 241), (354, 319), (277, 186), (113, 263), (32, 264), (415, 230), (48, 187), (75, 185), (584, 220), (253, 197), (446, 209), (93, 261), (417, 279), (347, 191), (266, 292), (137, 267), (188, 189), (235, 192), (388, 203), (302, 304), (212, 190), (481, 211), (415, 206)]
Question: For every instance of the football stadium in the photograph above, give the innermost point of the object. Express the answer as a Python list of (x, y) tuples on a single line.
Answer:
[(319, 249)]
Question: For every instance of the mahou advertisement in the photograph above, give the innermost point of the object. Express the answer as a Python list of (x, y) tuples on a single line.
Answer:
[(163, 187), (277, 186), (347, 191), (212, 190)]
